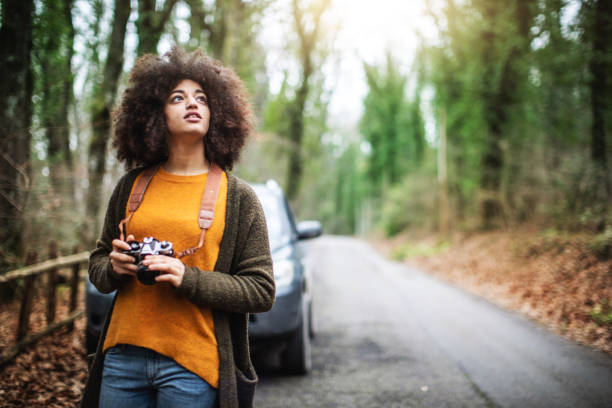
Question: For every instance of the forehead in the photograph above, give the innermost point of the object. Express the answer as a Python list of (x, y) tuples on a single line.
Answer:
[(187, 85)]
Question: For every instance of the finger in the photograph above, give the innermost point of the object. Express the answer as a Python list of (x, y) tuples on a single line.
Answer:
[(160, 260), (171, 279), (123, 261), (165, 277), (128, 266), (118, 244), (130, 238), (125, 269), (121, 257), (162, 267)]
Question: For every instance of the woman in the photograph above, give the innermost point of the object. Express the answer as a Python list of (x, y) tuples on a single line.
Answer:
[(181, 338)]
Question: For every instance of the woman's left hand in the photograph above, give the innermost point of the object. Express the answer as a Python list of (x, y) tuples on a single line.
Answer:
[(172, 269)]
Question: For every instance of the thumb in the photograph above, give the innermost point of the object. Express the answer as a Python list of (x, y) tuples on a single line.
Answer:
[(130, 238)]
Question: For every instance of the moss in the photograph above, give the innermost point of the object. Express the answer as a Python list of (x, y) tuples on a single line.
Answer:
[(601, 244), (602, 313)]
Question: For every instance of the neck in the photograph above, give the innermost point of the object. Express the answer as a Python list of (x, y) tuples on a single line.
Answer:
[(186, 158)]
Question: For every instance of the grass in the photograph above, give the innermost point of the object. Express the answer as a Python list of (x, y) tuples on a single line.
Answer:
[(601, 244), (409, 250), (599, 314)]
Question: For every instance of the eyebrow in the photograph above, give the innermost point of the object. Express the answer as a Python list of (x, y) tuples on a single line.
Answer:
[(181, 91)]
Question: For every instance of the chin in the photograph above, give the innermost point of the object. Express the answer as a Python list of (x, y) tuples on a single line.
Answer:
[(186, 135)]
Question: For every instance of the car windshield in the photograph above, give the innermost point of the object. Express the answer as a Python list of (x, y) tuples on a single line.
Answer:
[(276, 218)]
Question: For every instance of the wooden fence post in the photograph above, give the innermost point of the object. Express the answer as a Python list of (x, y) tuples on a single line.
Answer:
[(51, 293), (74, 287), (26, 301), (30, 274)]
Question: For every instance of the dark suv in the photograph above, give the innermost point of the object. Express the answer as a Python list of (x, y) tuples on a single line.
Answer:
[(287, 328)]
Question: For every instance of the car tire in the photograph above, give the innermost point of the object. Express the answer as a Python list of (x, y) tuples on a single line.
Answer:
[(297, 359), (313, 327)]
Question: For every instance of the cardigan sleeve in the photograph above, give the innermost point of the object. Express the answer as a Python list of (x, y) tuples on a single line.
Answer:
[(249, 287), (101, 273)]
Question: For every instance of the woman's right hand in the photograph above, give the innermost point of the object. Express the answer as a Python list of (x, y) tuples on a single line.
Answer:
[(122, 263)]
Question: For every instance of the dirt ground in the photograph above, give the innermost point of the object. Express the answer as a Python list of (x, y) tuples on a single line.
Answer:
[(50, 373), (555, 279)]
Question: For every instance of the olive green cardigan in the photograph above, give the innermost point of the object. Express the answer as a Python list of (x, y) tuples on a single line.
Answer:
[(241, 283)]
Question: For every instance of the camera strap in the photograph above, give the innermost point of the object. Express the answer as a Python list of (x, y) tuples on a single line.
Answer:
[(206, 213), (136, 197), (207, 207)]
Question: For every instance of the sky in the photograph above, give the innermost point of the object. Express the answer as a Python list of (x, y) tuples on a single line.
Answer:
[(367, 30), (361, 31)]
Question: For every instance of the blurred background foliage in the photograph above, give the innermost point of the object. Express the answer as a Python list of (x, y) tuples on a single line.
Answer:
[(504, 117)]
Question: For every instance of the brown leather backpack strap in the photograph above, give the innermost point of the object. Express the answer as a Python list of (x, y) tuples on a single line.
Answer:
[(206, 214), (136, 197), (209, 197), (138, 193)]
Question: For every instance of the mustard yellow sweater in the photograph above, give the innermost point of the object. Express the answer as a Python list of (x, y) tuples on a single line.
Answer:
[(155, 316)]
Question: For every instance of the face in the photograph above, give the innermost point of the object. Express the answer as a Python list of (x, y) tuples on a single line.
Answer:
[(187, 111)]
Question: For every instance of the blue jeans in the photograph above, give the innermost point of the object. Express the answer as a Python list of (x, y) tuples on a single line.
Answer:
[(139, 377)]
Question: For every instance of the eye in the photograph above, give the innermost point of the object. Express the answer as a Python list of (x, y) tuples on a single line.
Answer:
[(176, 98), (202, 99)]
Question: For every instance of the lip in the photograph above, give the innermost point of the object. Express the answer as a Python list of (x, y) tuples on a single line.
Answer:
[(193, 116)]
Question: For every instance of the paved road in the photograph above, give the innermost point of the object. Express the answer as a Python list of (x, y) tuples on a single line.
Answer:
[(390, 336)]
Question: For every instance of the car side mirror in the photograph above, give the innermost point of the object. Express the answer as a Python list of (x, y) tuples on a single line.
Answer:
[(309, 229)]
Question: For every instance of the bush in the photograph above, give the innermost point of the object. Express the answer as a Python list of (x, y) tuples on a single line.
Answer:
[(410, 205), (601, 244)]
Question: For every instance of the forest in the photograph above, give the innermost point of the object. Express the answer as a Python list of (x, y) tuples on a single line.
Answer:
[(475, 147), (503, 118)]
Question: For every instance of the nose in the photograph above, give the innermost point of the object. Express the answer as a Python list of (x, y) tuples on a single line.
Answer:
[(191, 102)]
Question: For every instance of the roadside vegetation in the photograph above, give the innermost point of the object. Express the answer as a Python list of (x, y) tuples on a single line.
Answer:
[(563, 281)]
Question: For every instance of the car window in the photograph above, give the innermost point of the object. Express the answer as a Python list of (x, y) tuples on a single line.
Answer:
[(276, 217)]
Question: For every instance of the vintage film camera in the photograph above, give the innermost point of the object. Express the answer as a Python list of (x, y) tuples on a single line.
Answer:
[(148, 246)]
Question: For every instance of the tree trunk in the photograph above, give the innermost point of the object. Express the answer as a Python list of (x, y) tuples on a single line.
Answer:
[(197, 24), (308, 36), (214, 34), (219, 31), (492, 158), (150, 24), (600, 67), (55, 58), (556, 87), (104, 99), (68, 90), (499, 99), (16, 86), (443, 209), (296, 132)]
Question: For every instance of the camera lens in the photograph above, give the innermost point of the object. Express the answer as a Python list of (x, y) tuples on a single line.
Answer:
[(145, 275)]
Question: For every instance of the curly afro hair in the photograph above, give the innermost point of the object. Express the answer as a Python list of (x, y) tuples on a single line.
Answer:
[(140, 130)]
